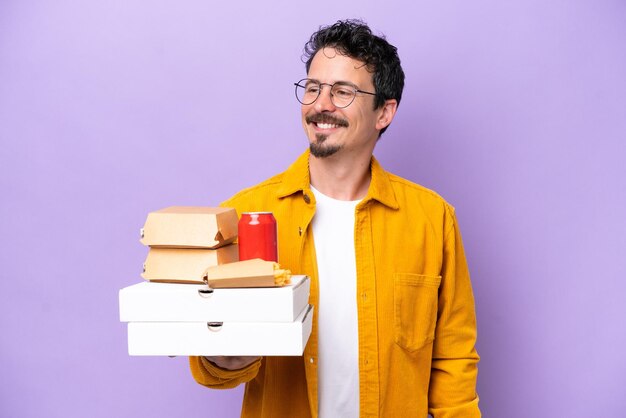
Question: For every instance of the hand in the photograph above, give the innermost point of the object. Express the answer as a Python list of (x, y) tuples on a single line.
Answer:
[(232, 362)]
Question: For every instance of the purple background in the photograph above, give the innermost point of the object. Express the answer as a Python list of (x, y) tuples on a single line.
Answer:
[(514, 111)]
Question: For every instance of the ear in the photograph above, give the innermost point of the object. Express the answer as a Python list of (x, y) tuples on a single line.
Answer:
[(386, 113)]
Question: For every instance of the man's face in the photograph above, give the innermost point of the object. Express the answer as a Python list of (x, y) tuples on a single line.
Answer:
[(336, 131)]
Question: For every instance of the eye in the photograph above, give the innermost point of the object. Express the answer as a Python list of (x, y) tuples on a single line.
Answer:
[(343, 92), (311, 89)]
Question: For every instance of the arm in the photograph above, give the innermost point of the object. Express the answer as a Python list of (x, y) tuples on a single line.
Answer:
[(208, 374), (452, 392)]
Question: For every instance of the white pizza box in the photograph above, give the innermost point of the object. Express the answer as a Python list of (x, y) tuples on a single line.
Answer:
[(175, 302), (220, 338)]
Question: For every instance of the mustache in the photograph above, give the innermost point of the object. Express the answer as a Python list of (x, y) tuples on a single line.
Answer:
[(326, 118)]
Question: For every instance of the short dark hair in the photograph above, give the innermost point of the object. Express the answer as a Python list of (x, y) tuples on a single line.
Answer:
[(356, 40)]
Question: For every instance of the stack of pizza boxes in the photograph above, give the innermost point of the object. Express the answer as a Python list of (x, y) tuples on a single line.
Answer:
[(198, 299)]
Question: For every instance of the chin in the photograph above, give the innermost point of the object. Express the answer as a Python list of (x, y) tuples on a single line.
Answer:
[(319, 150)]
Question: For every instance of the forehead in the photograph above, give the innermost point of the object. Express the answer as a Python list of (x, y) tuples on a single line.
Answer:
[(329, 66)]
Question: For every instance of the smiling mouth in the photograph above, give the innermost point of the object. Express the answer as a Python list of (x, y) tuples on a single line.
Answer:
[(326, 125), (322, 121)]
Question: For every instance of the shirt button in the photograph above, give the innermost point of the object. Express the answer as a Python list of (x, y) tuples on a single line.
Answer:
[(306, 198), (311, 360)]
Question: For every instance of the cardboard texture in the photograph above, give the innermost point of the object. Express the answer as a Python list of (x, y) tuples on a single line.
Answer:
[(160, 302), (247, 273), (220, 339), (190, 227), (185, 265)]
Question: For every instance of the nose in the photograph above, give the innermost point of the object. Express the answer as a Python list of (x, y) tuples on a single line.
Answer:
[(324, 102)]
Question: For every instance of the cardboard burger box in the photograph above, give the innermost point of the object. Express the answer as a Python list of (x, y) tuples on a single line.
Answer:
[(190, 227), (185, 265), (185, 319)]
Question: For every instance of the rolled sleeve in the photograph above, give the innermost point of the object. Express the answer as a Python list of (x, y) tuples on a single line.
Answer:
[(209, 375)]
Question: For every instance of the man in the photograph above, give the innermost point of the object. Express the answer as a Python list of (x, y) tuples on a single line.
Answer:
[(394, 324)]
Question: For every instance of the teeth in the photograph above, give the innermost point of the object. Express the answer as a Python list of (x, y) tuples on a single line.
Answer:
[(326, 126)]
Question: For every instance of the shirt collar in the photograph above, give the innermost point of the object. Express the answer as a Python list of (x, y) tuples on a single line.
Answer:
[(297, 179)]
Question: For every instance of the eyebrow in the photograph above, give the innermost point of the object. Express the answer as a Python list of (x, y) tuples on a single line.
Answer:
[(340, 82)]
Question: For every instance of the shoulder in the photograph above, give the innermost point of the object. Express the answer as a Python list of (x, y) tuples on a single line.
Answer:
[(265, 193), (259, 194), (264, 187), (417, 201), (410, 191)]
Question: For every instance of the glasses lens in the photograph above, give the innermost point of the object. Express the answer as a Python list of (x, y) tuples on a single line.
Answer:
[(307, 91), (342, 95)]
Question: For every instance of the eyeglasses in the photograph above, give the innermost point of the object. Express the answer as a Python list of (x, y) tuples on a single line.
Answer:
[(342, 94)]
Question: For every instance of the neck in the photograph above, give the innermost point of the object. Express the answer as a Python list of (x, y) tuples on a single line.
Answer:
[(339, 178)]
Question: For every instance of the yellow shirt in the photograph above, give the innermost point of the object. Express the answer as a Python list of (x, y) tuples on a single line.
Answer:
[(416, 320)]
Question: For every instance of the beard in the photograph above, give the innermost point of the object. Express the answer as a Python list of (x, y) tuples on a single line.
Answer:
[(318, 147), (320, 150)]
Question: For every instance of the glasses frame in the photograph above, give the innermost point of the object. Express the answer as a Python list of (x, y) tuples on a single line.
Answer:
[(319, 92)]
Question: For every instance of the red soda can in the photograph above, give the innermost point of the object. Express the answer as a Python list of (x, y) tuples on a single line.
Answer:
[(258, 236)]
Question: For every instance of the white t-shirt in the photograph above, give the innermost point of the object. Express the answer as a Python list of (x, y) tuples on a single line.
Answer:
[(338, 367)]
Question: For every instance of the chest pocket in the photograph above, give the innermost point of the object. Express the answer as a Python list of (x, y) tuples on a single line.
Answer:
[(415, 309)]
